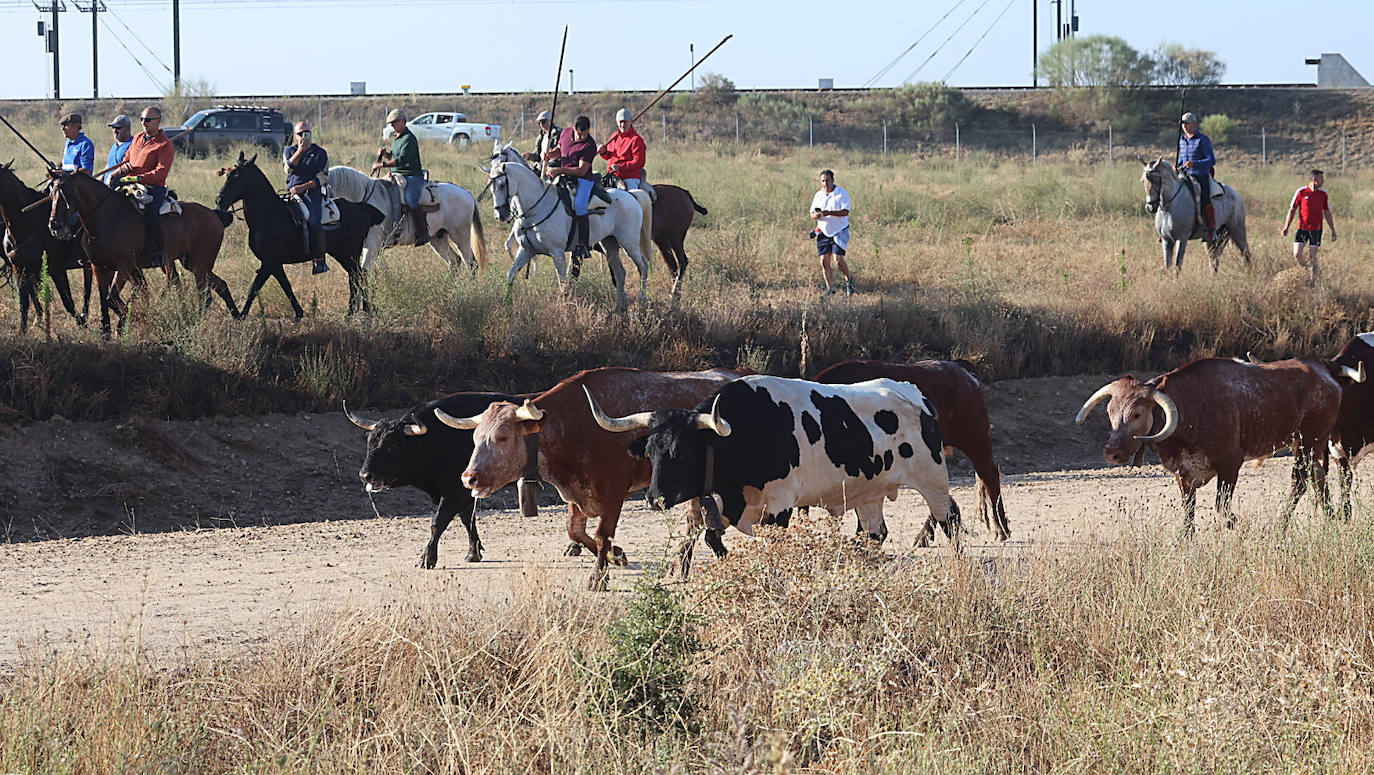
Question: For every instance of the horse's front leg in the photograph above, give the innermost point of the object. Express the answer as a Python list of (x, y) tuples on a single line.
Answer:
[(521, 259)]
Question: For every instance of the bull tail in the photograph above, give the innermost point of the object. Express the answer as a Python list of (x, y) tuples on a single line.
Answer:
[(695, 206), (479, 237)]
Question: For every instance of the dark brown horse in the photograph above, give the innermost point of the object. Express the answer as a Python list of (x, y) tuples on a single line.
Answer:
[(28, 244), (114, 237), (673, 214)]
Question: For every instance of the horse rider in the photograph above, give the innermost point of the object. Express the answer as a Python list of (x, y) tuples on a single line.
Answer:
[(404, 158), (574, 154), (625, 152), (78, 153), (306, 163), (1196, 158), (548, 138), (148, 161), (119, 147)]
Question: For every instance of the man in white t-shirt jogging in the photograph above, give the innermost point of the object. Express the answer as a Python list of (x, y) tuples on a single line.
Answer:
[(830, 211)]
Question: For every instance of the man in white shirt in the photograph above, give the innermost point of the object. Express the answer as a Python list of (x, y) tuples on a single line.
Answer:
[(830, 211)]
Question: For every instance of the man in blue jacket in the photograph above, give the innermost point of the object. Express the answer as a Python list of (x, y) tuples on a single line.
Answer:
[(306, 163), (119, 146), (1195, 157), (79, 152)]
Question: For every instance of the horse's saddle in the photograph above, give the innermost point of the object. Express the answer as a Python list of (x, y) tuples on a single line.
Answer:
[(609, 180), (429, 197), (1218, 188), (598, 202), (138, 193), (329, 212)]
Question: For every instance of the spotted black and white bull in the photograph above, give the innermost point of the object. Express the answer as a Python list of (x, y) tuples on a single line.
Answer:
[(416, 451), (587, 465), (1353, 436), (957, 395), (1208, 417), (766, 445)]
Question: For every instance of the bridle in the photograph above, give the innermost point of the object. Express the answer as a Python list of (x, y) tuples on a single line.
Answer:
[(521, 222), (1156, 179)]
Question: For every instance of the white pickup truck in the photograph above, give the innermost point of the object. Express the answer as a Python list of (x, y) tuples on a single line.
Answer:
[(452, 128)]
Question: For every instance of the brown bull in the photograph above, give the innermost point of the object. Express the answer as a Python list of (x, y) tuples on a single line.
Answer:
[(1353, 436), (963, 411), (590, 467), (1208, 417)]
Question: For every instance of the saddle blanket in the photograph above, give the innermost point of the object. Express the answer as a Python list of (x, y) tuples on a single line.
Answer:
[(429, 198), (140, 196), (329, 213)]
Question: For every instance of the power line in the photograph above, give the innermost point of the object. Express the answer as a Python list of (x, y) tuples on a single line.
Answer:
[(160, 87), (915, 72), (980, 40), (146, 47), (902, 55)]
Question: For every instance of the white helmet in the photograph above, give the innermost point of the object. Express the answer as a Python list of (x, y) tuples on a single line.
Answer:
[(623, 115)]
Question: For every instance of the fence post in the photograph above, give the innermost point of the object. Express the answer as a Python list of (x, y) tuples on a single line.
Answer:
[(1033, 148), (956, 141), (319, 113), (1264, 149), (884, 138), (811, 136), (665, 126), (1342, 151), (1111, 159), (736, 127)]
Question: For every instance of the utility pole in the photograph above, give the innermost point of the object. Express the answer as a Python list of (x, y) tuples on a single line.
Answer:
[(176, 46), (1058, 20), (52, 39), (692, 53), (570, 82), (96, 7), (1035, 43)]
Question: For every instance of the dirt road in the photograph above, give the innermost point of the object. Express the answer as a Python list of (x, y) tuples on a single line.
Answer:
[(213, 535)]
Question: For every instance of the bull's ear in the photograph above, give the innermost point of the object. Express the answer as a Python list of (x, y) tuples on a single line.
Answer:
[(638, 447)]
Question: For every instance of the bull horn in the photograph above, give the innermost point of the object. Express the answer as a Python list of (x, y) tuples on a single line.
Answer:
[(1170, 418), (1141, 159), (366, 425), (616, 424), (713, 421), (1249, 356), (461, 423), (1356, 374), (1102, 393), (416, 428), (528, 411)]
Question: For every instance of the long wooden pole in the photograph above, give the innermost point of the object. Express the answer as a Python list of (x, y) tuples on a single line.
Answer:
[(558, 78), (29, 144), (679, 80)]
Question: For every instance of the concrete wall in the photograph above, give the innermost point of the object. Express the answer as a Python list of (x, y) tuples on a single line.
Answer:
[(1333, 72)]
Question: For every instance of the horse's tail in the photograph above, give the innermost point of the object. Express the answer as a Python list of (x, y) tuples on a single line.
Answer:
[(693, 200), (225, 217), (479, 237), (646, 226)]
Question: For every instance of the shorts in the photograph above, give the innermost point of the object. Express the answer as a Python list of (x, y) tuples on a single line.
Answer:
[(832, 245), (1312, 237)]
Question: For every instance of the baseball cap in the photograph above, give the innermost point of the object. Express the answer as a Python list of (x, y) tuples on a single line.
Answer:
[(71, 118), (120, 122), (396, 114), (1189, 117), (544, 115)]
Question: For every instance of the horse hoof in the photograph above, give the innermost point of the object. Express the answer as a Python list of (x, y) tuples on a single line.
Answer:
[(618, 557), (573, 550)]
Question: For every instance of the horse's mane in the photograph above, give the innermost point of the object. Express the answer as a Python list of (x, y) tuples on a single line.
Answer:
[(349, 183)]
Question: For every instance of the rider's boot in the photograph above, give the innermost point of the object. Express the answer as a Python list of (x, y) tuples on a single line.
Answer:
[(1211, 217), (421, 226), (581, 251), (316, 251)]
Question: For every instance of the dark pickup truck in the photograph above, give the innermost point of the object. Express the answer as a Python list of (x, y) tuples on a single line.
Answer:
[(222, 126)]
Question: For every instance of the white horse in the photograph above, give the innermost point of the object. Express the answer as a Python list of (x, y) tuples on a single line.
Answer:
[(1177, 218), (542, 223), (455, 223)]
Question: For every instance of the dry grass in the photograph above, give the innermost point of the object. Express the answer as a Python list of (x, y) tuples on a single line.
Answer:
[(1027, 269), (1241, 652)]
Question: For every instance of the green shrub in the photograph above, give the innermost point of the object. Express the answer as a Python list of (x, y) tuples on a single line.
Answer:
[(922, 105), (1219, 127), (774, 118)]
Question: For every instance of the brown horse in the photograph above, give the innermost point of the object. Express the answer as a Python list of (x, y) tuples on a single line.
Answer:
[(672, 218), (114, 236)]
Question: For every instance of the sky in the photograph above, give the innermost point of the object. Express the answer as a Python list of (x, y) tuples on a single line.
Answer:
[(260, 47)]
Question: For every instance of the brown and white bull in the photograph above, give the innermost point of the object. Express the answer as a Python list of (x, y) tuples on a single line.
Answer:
[(963, 411), (1208, 417), (1353, 437), (589, 467)]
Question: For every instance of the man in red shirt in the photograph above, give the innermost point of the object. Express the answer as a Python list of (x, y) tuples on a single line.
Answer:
[(625, 152), (148, 161), (1311, 205)]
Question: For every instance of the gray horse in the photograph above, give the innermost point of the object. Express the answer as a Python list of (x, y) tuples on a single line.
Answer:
[(1176, 214)]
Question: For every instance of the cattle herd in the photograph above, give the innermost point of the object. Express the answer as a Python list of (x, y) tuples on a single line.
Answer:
[(746, 449)]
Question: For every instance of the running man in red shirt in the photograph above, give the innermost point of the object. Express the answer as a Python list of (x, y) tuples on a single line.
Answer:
[(1311, 205)]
